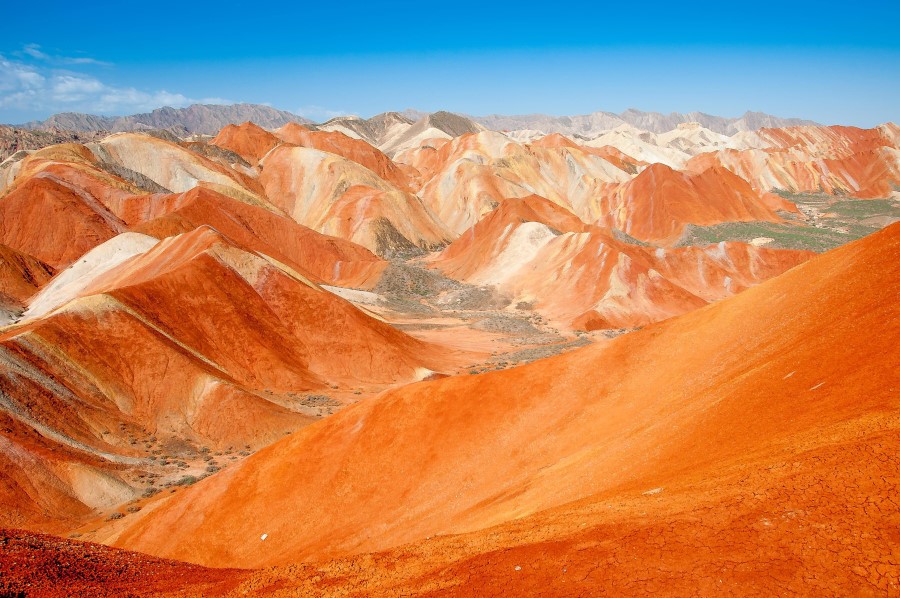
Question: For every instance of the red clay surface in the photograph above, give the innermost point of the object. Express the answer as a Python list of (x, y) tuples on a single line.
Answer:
[(329, 260), (20, 275), (63, 222), (37, 565)]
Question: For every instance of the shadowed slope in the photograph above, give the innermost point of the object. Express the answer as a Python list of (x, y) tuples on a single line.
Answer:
[(39, 565), (20, 276)]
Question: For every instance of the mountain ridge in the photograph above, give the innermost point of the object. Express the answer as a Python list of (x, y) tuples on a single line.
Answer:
[(208, 119), (655, 122), (205, 119)]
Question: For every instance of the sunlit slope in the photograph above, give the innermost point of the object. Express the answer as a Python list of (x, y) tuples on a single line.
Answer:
[(789, 363)]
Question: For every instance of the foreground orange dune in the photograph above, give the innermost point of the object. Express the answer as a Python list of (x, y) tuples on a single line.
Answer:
[(720, 432)]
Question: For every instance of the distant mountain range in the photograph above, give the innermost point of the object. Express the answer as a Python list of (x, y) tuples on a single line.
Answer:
[(591, 125), (392, 132), (209, 119), (205, 119), (13, 139)]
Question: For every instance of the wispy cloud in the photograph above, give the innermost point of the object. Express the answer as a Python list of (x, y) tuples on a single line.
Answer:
[(320, 113), (39, 85), (34, 51)]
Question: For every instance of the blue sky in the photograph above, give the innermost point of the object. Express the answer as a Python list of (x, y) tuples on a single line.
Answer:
[(835, 63)]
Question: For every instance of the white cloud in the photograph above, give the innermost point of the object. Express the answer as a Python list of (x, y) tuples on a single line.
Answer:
[(41, 88), (73, 88), (84, 60), (15, 77)]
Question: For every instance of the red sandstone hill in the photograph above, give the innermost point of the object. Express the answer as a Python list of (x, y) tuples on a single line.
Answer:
[(329, 260), (248, 140), (480, 241), (656, 205), (64, 204), (355, 150), (861, 163), (583, 276), (194, 338), (53, 221)]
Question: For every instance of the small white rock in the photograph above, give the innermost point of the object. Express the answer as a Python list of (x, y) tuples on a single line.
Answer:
[(264, 536)]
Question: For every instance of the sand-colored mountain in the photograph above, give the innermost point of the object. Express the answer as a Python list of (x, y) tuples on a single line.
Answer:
[(471, 174), (353, 149), (170, 165), (311, 186)]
